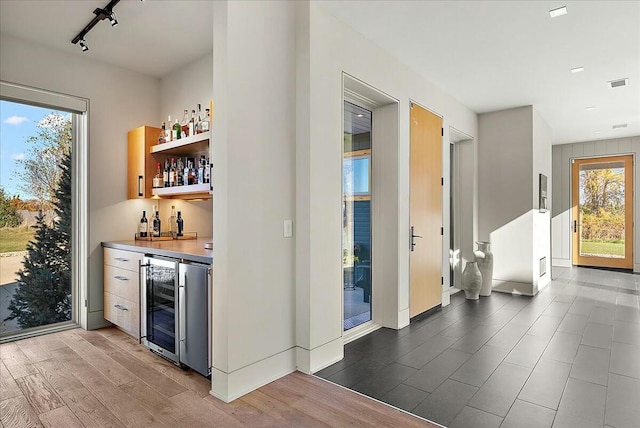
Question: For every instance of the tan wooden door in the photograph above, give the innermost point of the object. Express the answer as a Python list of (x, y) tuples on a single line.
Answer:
[(425, 211), (602, 211)]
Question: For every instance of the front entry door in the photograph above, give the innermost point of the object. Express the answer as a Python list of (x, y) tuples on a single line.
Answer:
[(602, 212), (425, 211)]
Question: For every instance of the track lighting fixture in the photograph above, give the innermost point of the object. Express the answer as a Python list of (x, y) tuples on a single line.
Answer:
[(100, 15)]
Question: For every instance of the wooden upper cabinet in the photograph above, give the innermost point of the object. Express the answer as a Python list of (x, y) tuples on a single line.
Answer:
[(140, 171)]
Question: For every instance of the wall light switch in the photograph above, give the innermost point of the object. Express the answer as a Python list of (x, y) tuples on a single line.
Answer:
[(288, 228)]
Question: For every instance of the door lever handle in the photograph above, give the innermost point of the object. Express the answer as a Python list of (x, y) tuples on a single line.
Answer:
[(412, 241)]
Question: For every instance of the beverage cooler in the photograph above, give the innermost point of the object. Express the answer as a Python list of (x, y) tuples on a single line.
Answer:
[(176, 311)]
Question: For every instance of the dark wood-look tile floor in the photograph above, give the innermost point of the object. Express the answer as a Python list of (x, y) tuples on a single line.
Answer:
[(104, 378), (568, 357)]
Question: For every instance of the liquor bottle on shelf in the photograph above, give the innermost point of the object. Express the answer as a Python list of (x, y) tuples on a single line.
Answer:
[(176, 130), (180, 173), (185, 124), (180, 224), (185, 173), (172, 173), (205, 123), (169, 132), (158, 179), (157, 225), (207, 171), (198, 122), (173, 225), (162, 138), (192, 123), (192, 172), (165, 174), (144, 225), (201, 168)]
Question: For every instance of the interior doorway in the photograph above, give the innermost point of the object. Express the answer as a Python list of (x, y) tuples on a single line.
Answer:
[(425, 211), (602, 211)]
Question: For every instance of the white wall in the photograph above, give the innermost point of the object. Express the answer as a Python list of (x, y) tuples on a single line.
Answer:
[(119, 100), (185, 88), (254, 157), (514, 147), (561, 207), (319, 155)]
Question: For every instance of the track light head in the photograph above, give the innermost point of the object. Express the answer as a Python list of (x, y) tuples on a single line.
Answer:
[(83, 45), (112, 19)]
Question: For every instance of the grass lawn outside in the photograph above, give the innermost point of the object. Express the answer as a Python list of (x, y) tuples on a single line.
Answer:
[(15, 239), (599, 248)]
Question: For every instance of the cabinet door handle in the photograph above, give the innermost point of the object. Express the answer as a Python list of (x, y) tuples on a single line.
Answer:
[(140, 186), (122, 259), (121, 278), (122, 308)]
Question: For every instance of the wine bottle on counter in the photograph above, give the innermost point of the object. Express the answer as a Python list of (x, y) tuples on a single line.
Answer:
[(180, 224), (144, 225), (173, 225), (157, 225)]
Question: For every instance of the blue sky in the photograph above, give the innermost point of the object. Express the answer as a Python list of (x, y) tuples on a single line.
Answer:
[(18, 122)]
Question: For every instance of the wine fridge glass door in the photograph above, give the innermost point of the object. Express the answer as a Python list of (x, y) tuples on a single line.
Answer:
[(161, 284)]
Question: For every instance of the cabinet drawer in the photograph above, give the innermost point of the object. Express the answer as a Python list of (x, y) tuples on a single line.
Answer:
[(123, 283), (123, 259), (123, 313)]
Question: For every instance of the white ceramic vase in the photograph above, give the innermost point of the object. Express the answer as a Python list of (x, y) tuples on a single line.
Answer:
[(484, 258), (471, 281)]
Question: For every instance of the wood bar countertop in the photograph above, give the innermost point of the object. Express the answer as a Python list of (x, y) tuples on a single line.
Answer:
[(188, 249)]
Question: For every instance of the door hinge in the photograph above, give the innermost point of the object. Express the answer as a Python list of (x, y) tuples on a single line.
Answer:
[(442, 231), (86, 303), (442, 181), (442, 280), (442, 131)]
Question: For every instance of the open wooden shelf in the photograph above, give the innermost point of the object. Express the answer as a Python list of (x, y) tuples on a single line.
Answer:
[(192, 144), (184, 192)]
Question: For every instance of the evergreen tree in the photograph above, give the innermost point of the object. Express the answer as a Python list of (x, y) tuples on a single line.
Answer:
[(43, 295)]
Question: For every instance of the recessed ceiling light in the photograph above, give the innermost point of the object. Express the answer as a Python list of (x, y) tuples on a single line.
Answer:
[(598, 131), (577, 69), (622, 125), (618, 82), (554, 13), (360, 115), (590, 108)]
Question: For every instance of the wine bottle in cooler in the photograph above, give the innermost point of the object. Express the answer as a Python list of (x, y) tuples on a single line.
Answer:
[(144, 225)]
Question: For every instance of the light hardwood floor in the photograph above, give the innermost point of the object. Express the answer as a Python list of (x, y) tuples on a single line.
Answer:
[(105, 378)]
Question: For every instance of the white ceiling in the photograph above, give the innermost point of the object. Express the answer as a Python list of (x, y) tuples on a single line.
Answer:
[(153, 37), (490, 55), (493, 55)]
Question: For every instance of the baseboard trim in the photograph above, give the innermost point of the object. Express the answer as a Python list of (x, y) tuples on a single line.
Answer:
[(95, 320), (512, 287), (316, 359), (229, 386), (561, 263)]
